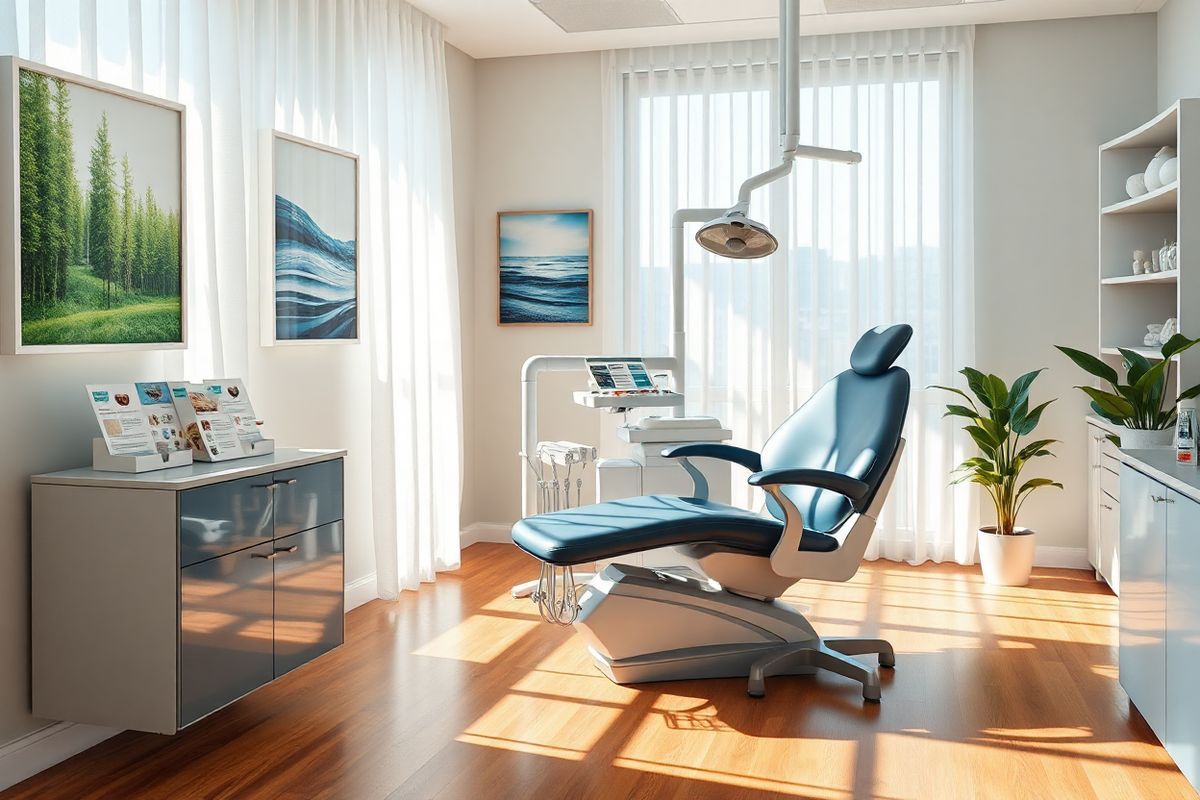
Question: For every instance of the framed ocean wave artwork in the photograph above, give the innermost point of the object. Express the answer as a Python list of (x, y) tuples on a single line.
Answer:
[(314, 278), (545, 267)]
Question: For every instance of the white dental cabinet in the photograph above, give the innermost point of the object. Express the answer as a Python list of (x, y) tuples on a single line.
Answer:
[(1159, 505), (160, 597)]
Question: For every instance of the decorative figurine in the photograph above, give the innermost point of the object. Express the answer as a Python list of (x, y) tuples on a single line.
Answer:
[(1153, 334), (1139, 258), (1169, 329)]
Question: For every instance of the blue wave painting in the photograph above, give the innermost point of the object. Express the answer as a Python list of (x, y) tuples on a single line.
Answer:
[(315, 278), (545, 268)]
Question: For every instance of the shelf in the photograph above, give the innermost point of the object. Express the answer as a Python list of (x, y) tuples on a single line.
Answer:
[(664, 400), (1154, 277), (1160, 201), (1158, 132), (1151, 353)]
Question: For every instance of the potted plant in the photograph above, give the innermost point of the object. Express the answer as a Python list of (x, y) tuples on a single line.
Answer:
[(998, 424), (1141, 409)]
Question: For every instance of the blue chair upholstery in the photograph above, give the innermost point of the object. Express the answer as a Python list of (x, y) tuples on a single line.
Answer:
[(833, 453)]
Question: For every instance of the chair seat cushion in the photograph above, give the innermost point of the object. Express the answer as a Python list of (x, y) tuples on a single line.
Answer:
[(631, 525)]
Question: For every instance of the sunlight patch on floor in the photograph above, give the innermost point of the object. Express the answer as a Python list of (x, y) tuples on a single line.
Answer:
[(555, 727), (479, 638)]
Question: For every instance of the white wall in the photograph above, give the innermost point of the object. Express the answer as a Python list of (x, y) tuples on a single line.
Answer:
[(1178, 51), (537, 146), (1046, 95)]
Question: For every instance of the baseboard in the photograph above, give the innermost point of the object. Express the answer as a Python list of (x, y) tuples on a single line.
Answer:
[(1061, 557), (498, 532), (360, 591), (25, 757)]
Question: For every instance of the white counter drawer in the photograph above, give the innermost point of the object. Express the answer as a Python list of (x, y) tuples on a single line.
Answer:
[(1110, 482)]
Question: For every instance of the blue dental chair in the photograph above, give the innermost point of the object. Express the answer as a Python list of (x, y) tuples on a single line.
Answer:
[(826, 472)]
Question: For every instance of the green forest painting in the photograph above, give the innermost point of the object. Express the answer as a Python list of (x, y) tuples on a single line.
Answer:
[(100, 190)]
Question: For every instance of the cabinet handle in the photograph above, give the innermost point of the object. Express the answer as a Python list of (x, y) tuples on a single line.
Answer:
[(1106, 506), (286, 550), (288, 482), (1159, 499), (267, 556)]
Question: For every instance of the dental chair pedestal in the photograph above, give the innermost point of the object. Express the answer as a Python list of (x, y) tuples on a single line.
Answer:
[(827, 471)]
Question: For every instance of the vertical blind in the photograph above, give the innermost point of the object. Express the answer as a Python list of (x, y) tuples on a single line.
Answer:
[(887, 241)]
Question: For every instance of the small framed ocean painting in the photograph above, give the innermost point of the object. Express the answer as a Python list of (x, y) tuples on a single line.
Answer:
[(545, 267), (314, 269)]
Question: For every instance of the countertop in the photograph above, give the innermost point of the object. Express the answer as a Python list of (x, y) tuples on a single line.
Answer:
[(199, 473), (1161, 465)]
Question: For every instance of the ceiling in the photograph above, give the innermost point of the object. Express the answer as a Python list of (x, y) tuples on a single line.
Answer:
[(496, 28)]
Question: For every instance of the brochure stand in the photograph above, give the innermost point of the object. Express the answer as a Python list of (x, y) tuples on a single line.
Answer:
[(262, 447), (106, 462)]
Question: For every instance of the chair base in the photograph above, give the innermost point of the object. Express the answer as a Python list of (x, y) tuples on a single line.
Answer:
[(645, 625)]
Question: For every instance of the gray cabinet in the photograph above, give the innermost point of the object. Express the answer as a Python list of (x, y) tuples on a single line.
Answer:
[(1183, 634), (1143, 612), (159, 598)]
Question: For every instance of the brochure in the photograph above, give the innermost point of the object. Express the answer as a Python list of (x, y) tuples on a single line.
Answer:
[(206, 427), (123, 423), (233, 399), (136, 419)]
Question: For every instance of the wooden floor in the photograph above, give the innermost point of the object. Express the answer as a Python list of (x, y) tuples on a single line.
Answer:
[(458, 691)]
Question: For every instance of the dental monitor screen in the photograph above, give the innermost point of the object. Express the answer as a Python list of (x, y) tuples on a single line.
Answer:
[(620, 375)]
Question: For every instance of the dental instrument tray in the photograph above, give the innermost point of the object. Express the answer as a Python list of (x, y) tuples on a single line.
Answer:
[(633, 399), (675, 429)]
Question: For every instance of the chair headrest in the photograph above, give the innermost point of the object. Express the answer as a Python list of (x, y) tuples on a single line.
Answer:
[(878, 349)]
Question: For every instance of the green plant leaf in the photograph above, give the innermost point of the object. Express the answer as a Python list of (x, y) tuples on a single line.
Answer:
[(960, 411), (982, 439), (1117, 407), (998, 391), (1136, 364), (1019, 394), (1090, 364), (1037, 483), (1188, 394), (1176, 345), (958, 392), (1116, 418), (977, 382), (1030, 420), (1032, 449)]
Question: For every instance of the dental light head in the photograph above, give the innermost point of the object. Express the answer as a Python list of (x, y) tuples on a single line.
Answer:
[(734, 235)]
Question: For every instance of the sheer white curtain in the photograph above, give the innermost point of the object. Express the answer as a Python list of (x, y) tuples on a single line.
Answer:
[(364, 75), (888, 241)]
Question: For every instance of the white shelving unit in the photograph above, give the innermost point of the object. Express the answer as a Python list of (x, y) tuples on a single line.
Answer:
[(1128, 302)]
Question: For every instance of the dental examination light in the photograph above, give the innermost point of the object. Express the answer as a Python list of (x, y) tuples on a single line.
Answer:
[(734, 234)]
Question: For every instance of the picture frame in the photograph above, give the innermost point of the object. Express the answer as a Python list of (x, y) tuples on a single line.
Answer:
[(545, 288), (66, 297), (335, 317)]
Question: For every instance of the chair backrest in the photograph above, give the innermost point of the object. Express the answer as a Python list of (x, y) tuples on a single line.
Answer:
[(852, 426)]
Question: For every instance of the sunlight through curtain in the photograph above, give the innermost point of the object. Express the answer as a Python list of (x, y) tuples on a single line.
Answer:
[(888, 241)]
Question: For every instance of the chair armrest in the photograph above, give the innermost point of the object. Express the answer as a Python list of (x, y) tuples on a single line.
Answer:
[(851, 488), (725, 452)]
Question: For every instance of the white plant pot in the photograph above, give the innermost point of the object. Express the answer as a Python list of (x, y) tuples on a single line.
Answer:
[(1007, 560), (1133, 439)]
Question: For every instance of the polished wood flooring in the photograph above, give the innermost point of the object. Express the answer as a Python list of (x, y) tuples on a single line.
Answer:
[(458, 691)]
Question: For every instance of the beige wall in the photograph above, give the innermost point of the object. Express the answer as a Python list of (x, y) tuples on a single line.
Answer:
[(1178, 51), (537, 146), (1046, 95)]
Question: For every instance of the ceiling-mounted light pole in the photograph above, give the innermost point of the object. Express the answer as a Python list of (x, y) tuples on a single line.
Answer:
[(734, 234)]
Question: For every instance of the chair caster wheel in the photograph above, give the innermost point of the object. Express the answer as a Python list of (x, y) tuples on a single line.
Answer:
[(756, 695), (874, 700), (887, 661)]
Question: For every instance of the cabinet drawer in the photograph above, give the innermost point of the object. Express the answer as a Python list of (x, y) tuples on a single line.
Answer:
[(226, 630), (309, 596), (307, 497), (1110, 482), (219, 519)]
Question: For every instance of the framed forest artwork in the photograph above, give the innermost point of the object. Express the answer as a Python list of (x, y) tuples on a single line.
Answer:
[(545, 267), (92, 235), (311, 289)]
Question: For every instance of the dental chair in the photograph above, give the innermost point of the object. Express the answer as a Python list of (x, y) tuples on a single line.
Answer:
[(826, 472)]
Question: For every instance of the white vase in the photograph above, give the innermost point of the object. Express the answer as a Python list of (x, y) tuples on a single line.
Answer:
[(1135, 186), (1134, 439), (1169, 171), (1152, 176), (1006, 559)]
